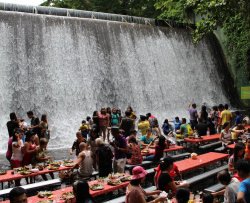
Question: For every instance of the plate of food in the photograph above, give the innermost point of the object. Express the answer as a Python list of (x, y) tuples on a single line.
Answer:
[(24, 172), (69, 164), (145, 151), (68, 161), (43, 194), (114, 182), (96, 187), (52, 167), (3, 172), (126, 178), (67, 196), (55, 163)]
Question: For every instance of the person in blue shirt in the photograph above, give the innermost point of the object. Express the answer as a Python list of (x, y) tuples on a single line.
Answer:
[(243, 169), (238, 118), (177, 124), (147, 139)]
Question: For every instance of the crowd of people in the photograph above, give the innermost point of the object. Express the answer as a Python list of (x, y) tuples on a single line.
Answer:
[(108, 140)]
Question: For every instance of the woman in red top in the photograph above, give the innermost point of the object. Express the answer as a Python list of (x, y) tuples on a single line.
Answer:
[(103, 119), (159, 150), (134, 148), (29, 148)]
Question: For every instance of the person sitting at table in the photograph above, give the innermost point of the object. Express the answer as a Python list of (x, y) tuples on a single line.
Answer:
[(231, 187), (185, 129), (29, 149), (177, 124), (165, 182), (237, 131), (134, 191), (81, 192), (76, 143), (238, 154), (147, 139), (159, 150), (143, 125), (226, 134), (134, 148), (84, 162), (174, 173), (166, 127), (18, 195), (182, 195)]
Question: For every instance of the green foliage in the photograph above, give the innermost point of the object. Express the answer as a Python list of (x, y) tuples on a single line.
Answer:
[(144, 8), (233, 16)]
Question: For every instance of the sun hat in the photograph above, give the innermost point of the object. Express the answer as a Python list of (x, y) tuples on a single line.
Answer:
[(138, 172)]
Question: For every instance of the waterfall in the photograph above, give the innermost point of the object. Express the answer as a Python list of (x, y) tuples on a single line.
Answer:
[(68, 67)]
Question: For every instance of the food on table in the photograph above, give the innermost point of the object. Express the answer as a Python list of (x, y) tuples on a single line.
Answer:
[(55, 163), (116, 175), (45, 201), (114, 182), (68, 164), (96, 187), (68, 161), (194, 156), (67, 196), (52, 167), (126, 178), (43, 194), (145, 151), (40, 167), (3, 172)]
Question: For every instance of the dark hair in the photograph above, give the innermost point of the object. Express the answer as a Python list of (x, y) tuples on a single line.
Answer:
[(226, 106), (177, 118), (161, 142), (88, 118), (44, 118), (220, 107), (182, 195), (203, 108), (43, 141), (95, 113), (148, 115), (132, 140), (225, 125), (16, 192), (30, 113), (184, 120), (237, 113), (238, 147), (127, 113), (29, 134), (224, 177), (207, 198), (143, 118), (166, 121), (136, 182), (83, 121), (215, 108), (243, 166), (13, 116), (194, 105), (166, 163), (81, 191)]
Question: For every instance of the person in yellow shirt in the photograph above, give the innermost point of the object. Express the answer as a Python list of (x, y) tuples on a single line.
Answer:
[(226, 115), (143, 125), (84, 128)]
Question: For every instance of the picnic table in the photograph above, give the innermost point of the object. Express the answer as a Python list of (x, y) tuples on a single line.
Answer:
[(203, 160), (170, 149), (58, 193), (9, 176), (205, 138)]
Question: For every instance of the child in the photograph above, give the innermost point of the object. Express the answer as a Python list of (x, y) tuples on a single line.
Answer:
[(84, 129)]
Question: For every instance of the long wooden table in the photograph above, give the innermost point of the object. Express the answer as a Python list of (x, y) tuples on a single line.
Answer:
[(58, 193), (205, 138), (9, 176), (171, 148), (190, 164)]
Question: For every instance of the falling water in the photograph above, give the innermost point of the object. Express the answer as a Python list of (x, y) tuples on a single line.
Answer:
[(68, 67)]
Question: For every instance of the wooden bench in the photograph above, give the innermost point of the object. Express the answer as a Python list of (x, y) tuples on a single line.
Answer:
[(144, 164), (205, 175), (214, 188), (33, 186), (122, 198), (220, 149), (181, 156), (209, 147)]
